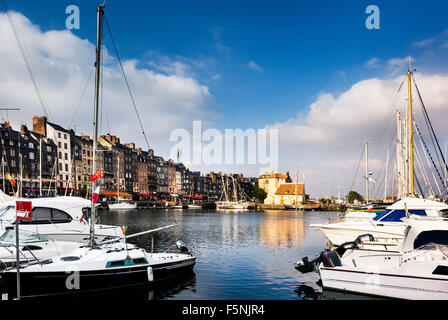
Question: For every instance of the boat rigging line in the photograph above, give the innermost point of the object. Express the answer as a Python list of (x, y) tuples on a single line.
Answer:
[(126, 80), (26, 58)]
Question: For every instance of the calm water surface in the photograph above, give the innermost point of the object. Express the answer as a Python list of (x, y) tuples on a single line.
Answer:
[(239, 255)]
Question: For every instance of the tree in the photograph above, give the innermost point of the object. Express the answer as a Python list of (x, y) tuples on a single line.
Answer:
[(259, 194), (353, 195)]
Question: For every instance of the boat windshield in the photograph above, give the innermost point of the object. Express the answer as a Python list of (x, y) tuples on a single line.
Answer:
[(443, 249), (397, 215), (8, 213), (24, 237)]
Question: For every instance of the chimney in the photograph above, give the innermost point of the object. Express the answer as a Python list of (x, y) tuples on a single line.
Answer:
[(139, 150), (23, 129), (151, 152), (40, 125)]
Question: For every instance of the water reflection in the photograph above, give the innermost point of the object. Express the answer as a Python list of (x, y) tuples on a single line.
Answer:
[(239, 255), (280, 228)]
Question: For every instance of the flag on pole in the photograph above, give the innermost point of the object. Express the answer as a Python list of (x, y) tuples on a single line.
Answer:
[(96, 175), (123, 229), (11, 180), (369, 206), (96, 194)]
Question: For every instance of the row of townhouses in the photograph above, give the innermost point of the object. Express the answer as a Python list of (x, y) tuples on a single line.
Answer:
[(128, 172)]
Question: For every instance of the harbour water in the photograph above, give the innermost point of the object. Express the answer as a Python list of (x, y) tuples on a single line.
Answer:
[(240, 255)]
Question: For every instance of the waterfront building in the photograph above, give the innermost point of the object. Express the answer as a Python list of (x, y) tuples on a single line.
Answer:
[(286, 194), (270, 182), (61, 137), (20, 157), (171, 171)]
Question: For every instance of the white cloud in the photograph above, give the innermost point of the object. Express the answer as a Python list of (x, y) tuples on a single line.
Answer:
[(397, 65), (167, 97), (423, 43), (252, 65), (326, 142), (373, 63)]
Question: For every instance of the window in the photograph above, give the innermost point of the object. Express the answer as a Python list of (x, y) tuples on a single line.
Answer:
[(65, 136), (66, 167), (13, 163), (60, 167), (59, 145), (49, 159), (65, 145), (30, 145), (43, 215), (48, 149), (59, 134), (60, 155), (12, 152), (66, 156), (434, 236), (31, 155)]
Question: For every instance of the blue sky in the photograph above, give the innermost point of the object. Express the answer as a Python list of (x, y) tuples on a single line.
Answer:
[(308, 68), (302, 47)]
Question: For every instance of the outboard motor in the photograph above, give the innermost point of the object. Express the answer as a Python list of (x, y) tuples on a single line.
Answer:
[(328, 257), (182, 246), (364, 237), (346, 246)]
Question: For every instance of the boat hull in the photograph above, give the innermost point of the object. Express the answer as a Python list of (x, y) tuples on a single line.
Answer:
[(391, 285), (35, 284), (338, 235)]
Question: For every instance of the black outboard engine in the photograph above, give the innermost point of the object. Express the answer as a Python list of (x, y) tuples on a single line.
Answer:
[(329, 258), (346, 246), (182, 246), (364, 237)]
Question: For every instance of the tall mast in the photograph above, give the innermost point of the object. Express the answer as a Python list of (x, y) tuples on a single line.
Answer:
[(385, 180), (411, 138), (40, 167), (367, 172), (100, 14)]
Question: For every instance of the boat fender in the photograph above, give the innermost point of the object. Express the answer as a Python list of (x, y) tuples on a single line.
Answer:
[(150, 274), (364, 237), (346, 246)]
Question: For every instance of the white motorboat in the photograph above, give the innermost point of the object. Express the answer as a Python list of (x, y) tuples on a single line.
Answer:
[(386, 226), (122, 206), (417, 270), (32, 247), (194, 206), (59, 219)]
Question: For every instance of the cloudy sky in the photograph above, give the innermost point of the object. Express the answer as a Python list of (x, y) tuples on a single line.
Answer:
[(310, 69)]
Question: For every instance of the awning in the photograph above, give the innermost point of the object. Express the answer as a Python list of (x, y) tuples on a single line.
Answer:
[(113, 193), (143, 194)]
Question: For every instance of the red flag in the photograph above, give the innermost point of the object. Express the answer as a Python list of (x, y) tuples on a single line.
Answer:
[(11, 180), (96, 194), (123, 229), (96, 175)]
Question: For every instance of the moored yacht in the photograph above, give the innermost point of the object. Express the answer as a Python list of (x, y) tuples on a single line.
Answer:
[(417, 270), (122, 206), (387, 225), (59, 219), (104, 267)]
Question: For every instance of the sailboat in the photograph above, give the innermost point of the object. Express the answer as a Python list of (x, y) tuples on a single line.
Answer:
[(388, 225), (101, 265), (121, 205)]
